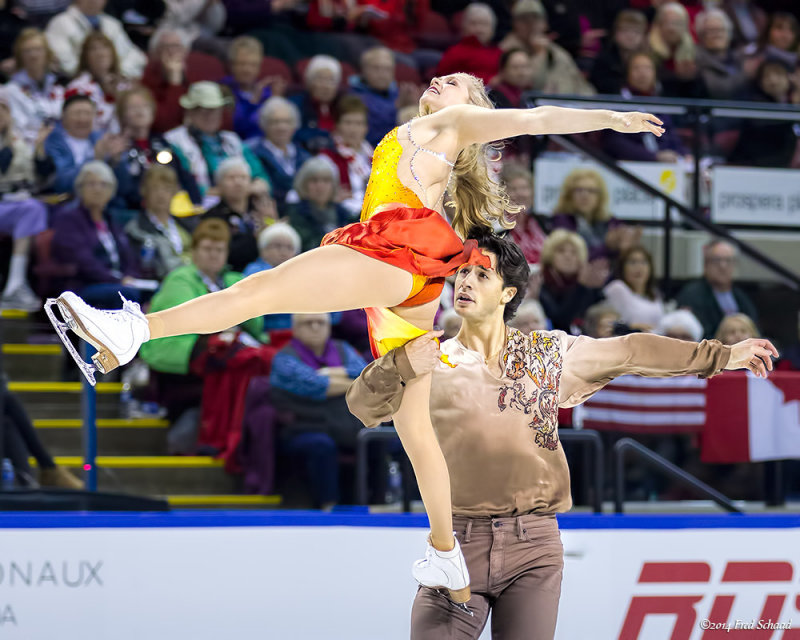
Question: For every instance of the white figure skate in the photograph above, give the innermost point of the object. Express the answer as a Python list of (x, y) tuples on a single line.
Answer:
[(445, 570)]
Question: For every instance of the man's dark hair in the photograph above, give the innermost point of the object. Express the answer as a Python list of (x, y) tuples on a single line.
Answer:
[(511, 265)]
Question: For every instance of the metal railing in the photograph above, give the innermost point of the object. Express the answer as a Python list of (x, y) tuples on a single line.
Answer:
[(651, 458)]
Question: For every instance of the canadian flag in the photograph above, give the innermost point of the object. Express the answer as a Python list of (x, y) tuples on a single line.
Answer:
[(750, 419)]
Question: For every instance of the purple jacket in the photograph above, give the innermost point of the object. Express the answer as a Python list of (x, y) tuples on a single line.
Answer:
[(75, 241)]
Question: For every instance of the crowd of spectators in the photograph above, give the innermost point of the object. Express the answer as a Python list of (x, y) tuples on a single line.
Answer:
[(161, 150)]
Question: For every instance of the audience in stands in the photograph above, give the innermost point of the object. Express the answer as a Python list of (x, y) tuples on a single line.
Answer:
[(634, 293), (715, 295), (322, 80), (673, 49), (309, 378), (567, 288), (99, 78), (249, 89), (749, 20), (85, 235), (735, 328), (318, 212), (600, 321), (719, 65), (681, 325), (514, 79), (779, 41), (201, 139), (350, 152), (67, 31), (476, 53), (198, 22), (277, 243), (530, 316), (529, 230), (645, 147), (281, 158), (35, 95), (74, 142), (628, 37), (170, 71), (246, 205), (161, 241), (376, 87), (450, 323)]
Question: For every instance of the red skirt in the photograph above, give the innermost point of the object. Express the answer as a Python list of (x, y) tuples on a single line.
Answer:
[(419, 241)]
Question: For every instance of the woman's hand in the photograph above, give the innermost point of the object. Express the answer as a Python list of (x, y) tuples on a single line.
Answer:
[(423, 353), (755, 354), (636, 122)]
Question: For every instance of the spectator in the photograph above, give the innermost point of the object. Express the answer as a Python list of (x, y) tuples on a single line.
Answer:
[(749, 20), (475, 53), (735, 328), (514, 79), (346, 21), (351, 153), (85, 235), (99, 78), (198, 22), (193, 369), (673, 49), (246, 205), (143, 148), (67, 31), (170, 71), (719, 66), (249, 90), (317, 213), (201, 139), (34, 93), (681, 325), (393, 23), (644, 147), (154, 229), (529, 231), (378, 90), (38, 12), (276, 244), (634, 293), (767, 143), (779, 41), (322, 79), (74, 142), (450, 323), (309, 378), (628, 37), (21, 217), (554, 70), (530, 317), (564, 296), (281, 158), (583, 207), (599, 321), (715, 295)]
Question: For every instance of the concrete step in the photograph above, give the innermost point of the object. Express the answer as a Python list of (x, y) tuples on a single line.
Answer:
[(33, 362), (17, 326), (158, 475), (63, 399), (115, 437)]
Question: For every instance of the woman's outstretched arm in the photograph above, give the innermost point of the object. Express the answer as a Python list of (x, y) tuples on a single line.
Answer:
[(478, 125)]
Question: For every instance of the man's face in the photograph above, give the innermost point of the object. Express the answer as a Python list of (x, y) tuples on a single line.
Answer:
[(208, 121), (478, 24), (312, 329), (378, 70), (78, 119), (720, 264), (479, 292)]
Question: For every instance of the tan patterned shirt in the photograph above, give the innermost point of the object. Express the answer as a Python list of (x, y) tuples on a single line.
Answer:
[(500, 435)]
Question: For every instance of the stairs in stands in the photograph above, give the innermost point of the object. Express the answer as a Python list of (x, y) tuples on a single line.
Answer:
[(132, 455)]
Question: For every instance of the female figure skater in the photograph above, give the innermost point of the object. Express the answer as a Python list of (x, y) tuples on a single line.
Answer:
[(392, 263)]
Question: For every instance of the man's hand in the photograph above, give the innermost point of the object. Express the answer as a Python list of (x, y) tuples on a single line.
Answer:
[(755, 354), (636, 122), (423, 352)]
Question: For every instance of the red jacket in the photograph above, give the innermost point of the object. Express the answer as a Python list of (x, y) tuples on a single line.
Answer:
[(470, 56)]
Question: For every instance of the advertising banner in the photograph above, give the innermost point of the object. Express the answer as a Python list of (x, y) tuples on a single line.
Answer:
[(743, 195)]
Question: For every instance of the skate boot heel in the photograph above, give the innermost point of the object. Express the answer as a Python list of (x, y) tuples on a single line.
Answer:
[(61, 328), (460, 596), (105, 361)]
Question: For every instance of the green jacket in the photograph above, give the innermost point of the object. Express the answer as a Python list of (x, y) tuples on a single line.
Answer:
[(172, 355)]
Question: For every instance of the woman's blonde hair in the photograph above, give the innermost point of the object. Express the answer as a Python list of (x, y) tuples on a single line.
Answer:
[(478, 200), (564, 205), (736, 317), (97, 37), (27, 34), (555, 240)]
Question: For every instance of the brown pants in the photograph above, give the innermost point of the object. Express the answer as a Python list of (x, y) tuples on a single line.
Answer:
[(515, 567)]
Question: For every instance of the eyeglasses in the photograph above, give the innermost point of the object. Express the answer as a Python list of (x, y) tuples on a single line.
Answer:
[(309, 323), (721, 260)]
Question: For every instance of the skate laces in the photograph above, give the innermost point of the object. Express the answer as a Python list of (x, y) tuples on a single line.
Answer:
[(131, 307)]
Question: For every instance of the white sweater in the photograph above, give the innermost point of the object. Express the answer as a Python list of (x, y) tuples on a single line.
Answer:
[(633, 308)]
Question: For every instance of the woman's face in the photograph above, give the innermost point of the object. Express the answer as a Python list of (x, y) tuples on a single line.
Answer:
[(210, 256), (520, 191), (100, 59), (629, 37), (781, 35), (138, 112), (158, 197), (585, 196), (279, 250), (775, 82), (445, 92), (352, 127), (34, 54), (234, 184), (642, 74), (95, 192), (319, 189), (566, 260), (518, 71), (245, 68), (636, 271), (280, 127), (734, 330), (715, 35), (322, 86), (530, 320)]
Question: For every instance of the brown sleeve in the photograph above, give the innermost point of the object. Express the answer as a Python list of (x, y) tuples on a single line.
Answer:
[(591, 364), (375, 396)]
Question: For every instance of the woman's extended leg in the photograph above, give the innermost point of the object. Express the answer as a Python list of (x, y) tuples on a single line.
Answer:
[(326, 279)]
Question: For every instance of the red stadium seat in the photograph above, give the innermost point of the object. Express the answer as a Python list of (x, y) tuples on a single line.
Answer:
[(434, 32), (404, 73), (276, 67)]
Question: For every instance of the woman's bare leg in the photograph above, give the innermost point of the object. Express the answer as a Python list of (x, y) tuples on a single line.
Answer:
[(326, 279)]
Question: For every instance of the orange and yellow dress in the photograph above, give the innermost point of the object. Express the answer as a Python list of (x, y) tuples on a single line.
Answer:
[(406, 235)]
